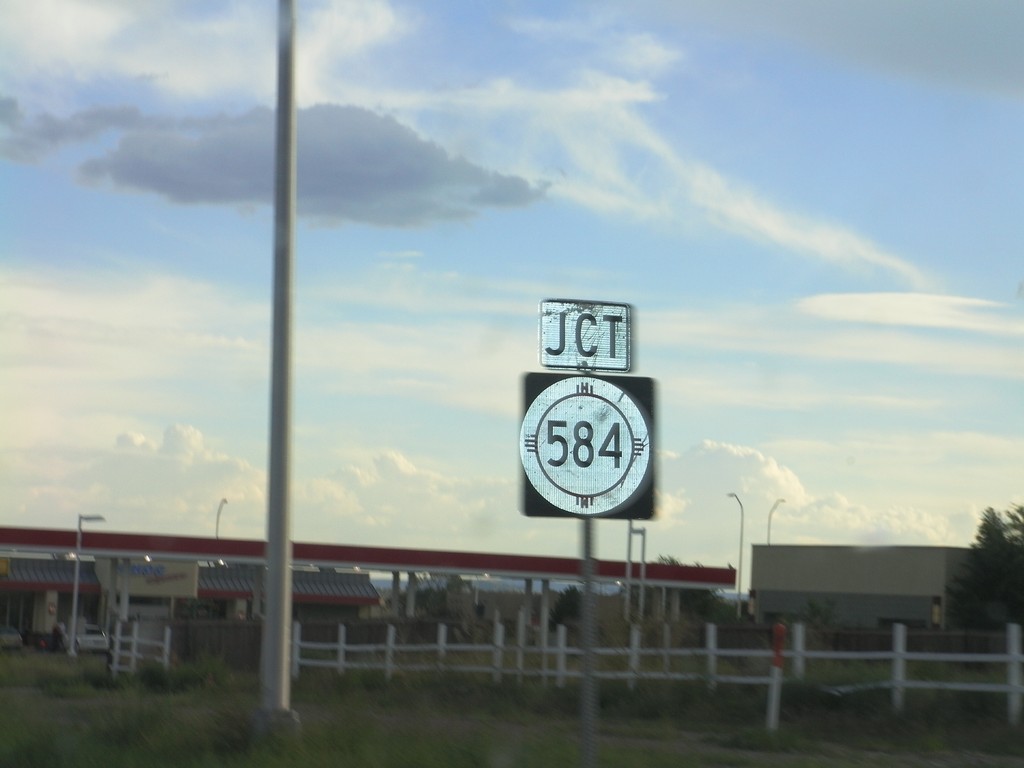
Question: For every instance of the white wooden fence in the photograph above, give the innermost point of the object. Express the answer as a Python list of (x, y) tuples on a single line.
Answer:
[(127, 650), (636, 663)]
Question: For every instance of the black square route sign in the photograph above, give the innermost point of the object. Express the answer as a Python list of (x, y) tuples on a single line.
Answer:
[(587, 446)]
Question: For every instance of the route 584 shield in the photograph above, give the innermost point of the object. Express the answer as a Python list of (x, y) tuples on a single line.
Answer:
[(587, 446)]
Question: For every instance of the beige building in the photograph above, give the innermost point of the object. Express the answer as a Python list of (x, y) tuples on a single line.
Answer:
[(854, 586)]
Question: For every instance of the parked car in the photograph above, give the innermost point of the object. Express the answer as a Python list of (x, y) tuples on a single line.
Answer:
[(10, 639), (91, 639)]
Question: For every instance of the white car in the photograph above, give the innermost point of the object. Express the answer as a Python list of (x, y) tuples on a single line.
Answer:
[(91, 639), (10, 639)]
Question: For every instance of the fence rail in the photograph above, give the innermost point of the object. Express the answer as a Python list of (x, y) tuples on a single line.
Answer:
[(128, 650), (634, 663)]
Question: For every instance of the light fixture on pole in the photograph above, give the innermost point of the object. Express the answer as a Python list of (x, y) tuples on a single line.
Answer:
[(72, 650), (739, 570), (770, 513), (219, 508)]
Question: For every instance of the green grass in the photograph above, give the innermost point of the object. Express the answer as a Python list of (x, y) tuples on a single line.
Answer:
[(57, 712)]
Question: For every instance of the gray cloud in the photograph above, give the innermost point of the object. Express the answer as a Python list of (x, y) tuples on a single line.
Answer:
[(973, 45), (29, 140), (353, 165)]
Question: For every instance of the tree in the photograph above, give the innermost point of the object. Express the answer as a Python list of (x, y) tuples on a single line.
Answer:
[(567, 607), (703, 604), (819, 615), (988, 593), (441, 597)]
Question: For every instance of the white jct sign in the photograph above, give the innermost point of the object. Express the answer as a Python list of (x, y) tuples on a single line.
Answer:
[(584, 335)]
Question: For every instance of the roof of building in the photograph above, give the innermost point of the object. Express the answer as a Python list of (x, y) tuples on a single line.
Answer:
[(229, 582), (107, 544), (39, 574), (307, 586)]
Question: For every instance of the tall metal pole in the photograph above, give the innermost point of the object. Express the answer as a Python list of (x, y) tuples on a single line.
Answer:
[(219, 508), (275, 680), (629, 572), (643, 569), (588, 686), (739, 570), (770, 513), (642, 533), (72, 650)]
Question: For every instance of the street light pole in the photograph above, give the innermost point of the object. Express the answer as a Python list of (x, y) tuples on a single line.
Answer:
[(219, 508), (770, 513), (739, 570), (275, 677), (72, 651)]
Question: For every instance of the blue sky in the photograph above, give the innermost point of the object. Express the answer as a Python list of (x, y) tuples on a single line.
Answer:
[(814, 209)]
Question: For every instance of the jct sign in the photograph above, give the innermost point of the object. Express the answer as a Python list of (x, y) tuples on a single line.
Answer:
[(582, 335)]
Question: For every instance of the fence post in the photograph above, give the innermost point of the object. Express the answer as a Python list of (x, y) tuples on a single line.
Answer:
[(135, 647), (389, 653), (899, 664), (775, 687), (166, 657), (296, 648), (442, 642), (634, 655), (1013, 650), (666, 644), (342, 639), (711, 651), (544, 650), (499, 647), (520, 642), (799, 650), (560, 639), (115, 660)]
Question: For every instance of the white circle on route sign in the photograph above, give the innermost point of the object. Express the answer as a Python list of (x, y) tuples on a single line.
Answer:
[(585, 445)]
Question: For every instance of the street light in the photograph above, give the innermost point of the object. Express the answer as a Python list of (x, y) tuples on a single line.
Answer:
[(739, 570), (219, 508), (72, 651), (770, 513)]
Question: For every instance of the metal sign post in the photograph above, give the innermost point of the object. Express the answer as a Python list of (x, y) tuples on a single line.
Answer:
[(588, 685), (587, 448)]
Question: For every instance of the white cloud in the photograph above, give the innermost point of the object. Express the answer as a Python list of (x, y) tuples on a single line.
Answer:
[(333, 33), (170, 486), (586, 137), (856, 335), (583, 135), (919, 469), (98, 353), (919, 310), (749, 214), (605, 40), (834, 519), (645, 54), (699, 522), (130, 440), (189, 51)]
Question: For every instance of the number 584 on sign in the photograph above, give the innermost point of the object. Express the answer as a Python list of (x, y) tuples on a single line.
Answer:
[(586, 446)]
